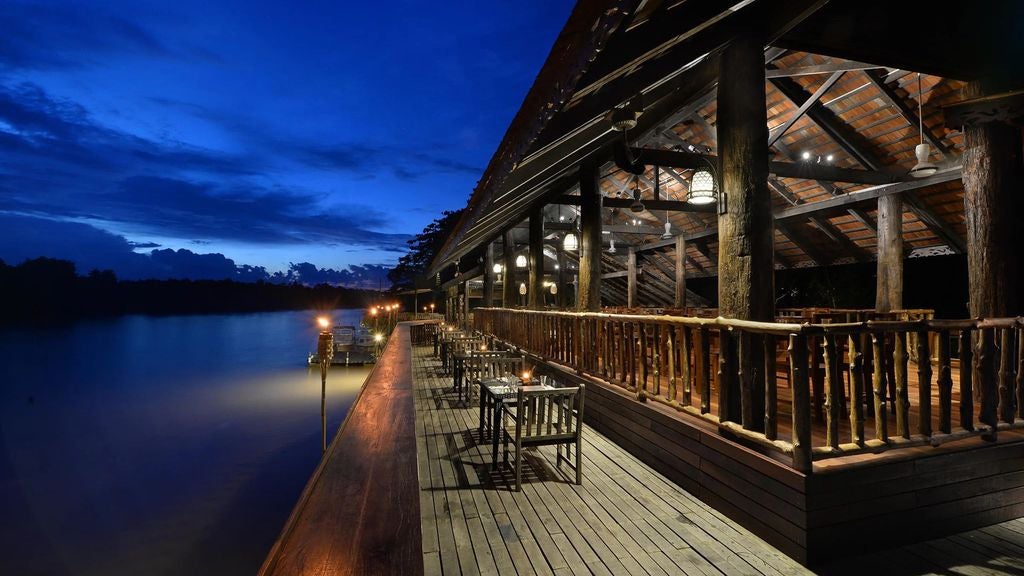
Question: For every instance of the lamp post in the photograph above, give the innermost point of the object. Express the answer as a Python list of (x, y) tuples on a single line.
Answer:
[(325, 351)]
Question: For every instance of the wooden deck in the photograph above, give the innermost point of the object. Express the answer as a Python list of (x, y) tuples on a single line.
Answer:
[(358, 513), (624, 519)]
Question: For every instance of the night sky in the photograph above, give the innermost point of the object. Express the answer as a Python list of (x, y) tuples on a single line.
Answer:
[(242, 139)]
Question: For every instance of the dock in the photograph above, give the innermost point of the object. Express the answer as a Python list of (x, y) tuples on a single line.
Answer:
[(407, 488)]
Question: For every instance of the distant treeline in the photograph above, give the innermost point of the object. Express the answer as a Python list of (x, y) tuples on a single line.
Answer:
[(49, 290)]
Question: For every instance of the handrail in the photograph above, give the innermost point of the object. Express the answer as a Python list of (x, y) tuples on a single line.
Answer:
[(837, 376)]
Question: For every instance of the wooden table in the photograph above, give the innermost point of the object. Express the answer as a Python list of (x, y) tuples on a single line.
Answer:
[(494, 392)]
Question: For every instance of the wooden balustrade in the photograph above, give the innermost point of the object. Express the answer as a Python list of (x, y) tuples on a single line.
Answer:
[(743, 375)]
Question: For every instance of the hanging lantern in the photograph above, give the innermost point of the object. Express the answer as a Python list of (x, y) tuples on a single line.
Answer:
[(522, 288), (611, 249), (497, 268), (570, 242), (702, 188), (554, 288), (521, 261)]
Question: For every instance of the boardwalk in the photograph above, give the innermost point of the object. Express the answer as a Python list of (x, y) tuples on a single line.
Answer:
[(624, 519)]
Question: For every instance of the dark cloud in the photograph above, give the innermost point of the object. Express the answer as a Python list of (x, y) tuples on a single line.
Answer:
[(63, 165), (93, 249)]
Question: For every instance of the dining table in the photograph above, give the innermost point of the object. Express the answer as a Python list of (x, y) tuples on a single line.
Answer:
[(493, 393)]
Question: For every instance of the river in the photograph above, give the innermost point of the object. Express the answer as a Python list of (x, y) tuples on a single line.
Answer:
[(158, 445)]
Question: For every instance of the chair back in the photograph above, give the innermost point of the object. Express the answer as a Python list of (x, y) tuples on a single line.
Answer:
[(549, 413), (499, 365)]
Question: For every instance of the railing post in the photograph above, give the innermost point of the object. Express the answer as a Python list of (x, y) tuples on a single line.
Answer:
[(966, 381), (881, 413), (902, 396), (771, 407), (1006, 395), (833, 391), (986, 371), (801, 403), (856, 390), (924, 384), (945, 383), (705, 370)]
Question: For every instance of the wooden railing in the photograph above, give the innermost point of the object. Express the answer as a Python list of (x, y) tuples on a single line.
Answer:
[(830, 378)]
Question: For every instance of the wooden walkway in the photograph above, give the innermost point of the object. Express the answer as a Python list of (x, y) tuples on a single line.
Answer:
[(624, 519)]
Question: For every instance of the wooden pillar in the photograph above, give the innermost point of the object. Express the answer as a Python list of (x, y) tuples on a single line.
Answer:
[(631, 278), (680, 301), (746, 262), (746, 265), (588, 290), (535, 290), (489, 276), (563, 290), (509, 290), (889, 285), (464, 301), (993, 209)]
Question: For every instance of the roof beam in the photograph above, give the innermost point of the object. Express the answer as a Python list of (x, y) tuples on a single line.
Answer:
[(890, 97), (843, 66), (673, 205), (935, 223), (804, 107), (806, 246), (837, 236)]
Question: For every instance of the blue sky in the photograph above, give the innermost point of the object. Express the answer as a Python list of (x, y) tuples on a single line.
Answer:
[(257, 133)]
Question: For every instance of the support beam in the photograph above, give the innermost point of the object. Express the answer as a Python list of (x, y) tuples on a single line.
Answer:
[(535, 289), (789, 230), (745, 230), (588, 292), (935, 223), (847, 245), (844, 66), (889, 285), (680, 295), (562, 298), (746, 263), (631, 278), (508, 287), (810, 101), (489, 275), (993, 210), (890, 97)]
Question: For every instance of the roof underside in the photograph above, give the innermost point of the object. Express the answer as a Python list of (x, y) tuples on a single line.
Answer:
[(845, 100)]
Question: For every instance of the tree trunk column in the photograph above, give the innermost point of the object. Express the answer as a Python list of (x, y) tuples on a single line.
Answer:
[(746, 228), (746, 265), (993, 209), (588, 290), (889, 285), (508, 286), (680, 296), (563, 291), (631, 278), (489, 275), (535, 293)]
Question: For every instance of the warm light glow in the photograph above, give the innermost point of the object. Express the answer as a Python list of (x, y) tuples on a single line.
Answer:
[(522, 288), (520, 261), (806, 155), (373, 311), (702, 188), (526, 376), (570, 243), (378, 337), (497, 268), (483, 347), (323, 321)]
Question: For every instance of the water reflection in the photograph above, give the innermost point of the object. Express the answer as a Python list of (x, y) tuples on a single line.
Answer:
[(158, 445)]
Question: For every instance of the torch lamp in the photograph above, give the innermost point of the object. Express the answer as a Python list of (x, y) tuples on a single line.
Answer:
[(325, 351)]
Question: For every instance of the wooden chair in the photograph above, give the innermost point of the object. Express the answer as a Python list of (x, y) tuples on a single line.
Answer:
[(542, 416), (494, 367)]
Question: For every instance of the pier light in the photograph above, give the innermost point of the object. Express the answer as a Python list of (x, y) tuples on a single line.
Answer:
[(378, 337), (324, 322), (373, 311)]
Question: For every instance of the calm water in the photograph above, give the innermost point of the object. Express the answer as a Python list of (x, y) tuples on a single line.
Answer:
[(173, 445)]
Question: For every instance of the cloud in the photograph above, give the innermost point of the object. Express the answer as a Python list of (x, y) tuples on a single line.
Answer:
[(93, 249), (60, 164)]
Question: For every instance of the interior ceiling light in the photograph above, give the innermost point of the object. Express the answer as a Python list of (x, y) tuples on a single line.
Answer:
[(806, 155), (668, 231), (624, 118), (570, 242), (497, 268), (702, 188), (637, 205), (923, 150), (520, 261)]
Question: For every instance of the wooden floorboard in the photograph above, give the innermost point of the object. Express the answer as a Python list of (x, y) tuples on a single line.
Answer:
[(624, 519)]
